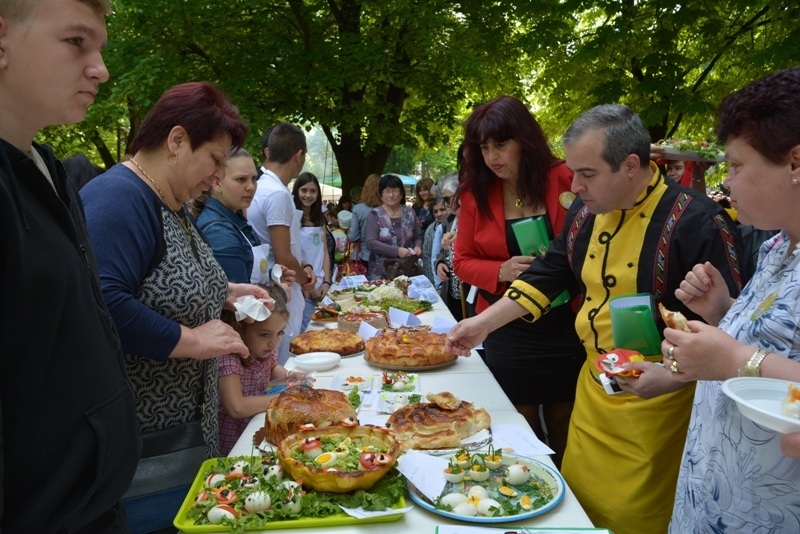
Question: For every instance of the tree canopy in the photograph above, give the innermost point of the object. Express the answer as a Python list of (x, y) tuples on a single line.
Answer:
[(380, 74)]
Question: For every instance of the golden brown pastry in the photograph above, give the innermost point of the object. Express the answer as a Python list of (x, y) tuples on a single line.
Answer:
[(327, 340), (444, 400), (674, 319), (301, 405), (428, 426), (408, 348), (379, 444)]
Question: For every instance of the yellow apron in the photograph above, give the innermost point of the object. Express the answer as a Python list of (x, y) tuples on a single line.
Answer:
[(623, 455)]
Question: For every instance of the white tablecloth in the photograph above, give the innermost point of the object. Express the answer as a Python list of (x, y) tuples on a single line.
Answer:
[(469, 379)]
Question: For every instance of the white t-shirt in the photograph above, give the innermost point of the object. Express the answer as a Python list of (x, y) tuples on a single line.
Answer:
[(314, 242), (273, 206)]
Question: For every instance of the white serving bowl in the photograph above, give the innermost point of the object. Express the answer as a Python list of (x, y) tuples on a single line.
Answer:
[(317, 361)]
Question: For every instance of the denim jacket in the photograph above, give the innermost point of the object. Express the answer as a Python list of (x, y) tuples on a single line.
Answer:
[(225, 232)]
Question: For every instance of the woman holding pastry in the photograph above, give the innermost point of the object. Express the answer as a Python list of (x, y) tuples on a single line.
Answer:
[(756, 334), (165, 290), (512, 179)]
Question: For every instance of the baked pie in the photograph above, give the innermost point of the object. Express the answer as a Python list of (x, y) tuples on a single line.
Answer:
[(300, 407), (328, 340), (408, 348), (435, 425)]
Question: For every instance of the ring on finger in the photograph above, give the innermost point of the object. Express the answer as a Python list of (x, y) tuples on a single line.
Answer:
[(670, 352), (674, 366)]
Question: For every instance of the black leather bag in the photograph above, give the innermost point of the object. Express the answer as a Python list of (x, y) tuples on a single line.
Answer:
[(170, 460), (407, 266)]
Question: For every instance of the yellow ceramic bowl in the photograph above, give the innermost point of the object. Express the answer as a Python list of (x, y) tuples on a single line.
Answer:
[(322, 478)]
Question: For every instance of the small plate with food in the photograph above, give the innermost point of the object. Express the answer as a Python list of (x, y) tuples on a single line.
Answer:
[(341, 294), (389, 402), (768, 402), (399, 382), (327, 314), (347, 383), (494, 488)]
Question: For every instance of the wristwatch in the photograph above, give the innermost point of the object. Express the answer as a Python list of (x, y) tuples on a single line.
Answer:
[(753, 367)]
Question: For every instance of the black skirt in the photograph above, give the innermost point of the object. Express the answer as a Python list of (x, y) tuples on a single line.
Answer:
[(537, 363)]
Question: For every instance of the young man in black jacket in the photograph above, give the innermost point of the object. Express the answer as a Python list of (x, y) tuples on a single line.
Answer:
[(69, 443)]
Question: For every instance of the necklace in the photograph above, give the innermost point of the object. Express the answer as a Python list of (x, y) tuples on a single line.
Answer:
[(517, 200), (183, 220)]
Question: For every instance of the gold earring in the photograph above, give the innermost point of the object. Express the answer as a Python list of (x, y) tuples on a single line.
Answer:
[(172, 164)]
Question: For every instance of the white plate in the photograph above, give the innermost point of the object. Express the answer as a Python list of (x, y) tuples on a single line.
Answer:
[(759, 399), (317, 361), (320, 325), (340, 382), (689, 155), (412, 386), (389, 402), (539, 471)]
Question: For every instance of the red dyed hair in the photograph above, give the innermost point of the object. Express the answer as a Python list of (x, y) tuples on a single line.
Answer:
[(765, 114), (200, 108), (502, 119)]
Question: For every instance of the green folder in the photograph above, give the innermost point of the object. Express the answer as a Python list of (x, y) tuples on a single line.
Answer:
[(633, 324), (533, 240)]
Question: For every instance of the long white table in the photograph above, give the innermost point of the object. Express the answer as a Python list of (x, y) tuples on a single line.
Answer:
[(469, 379)]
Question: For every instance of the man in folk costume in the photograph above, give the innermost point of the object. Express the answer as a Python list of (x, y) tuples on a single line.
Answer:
[(631, 231)]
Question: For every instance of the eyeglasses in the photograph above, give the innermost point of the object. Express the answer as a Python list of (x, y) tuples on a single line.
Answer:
[(447, 200), (391, 191)]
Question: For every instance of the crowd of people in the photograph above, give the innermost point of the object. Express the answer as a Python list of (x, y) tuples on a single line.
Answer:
[(182, 273)]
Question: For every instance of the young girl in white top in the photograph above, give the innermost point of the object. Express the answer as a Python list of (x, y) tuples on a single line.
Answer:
[(308, 199)]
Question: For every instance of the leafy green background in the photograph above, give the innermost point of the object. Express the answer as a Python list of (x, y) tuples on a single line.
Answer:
[(384, 85)]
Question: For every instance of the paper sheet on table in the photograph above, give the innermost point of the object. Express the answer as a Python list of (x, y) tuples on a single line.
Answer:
[(442, 325), (403, 318), (421, 293), (426, 472), (519, 440), (420, 282), (360, 513), (467, 529)]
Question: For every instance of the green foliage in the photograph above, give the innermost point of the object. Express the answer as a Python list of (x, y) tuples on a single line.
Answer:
[(384, 75)]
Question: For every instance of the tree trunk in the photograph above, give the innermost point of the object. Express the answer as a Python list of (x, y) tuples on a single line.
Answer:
[(108, 158), (354, 165)]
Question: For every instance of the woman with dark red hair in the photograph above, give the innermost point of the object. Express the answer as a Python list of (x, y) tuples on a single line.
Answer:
[(734, 476), (510, 175), (165, 290)]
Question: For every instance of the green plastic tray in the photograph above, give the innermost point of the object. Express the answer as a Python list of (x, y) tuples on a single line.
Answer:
[(184, 523)]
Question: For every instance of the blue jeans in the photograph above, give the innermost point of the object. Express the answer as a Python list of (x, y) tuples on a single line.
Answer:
[(156, 511)]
